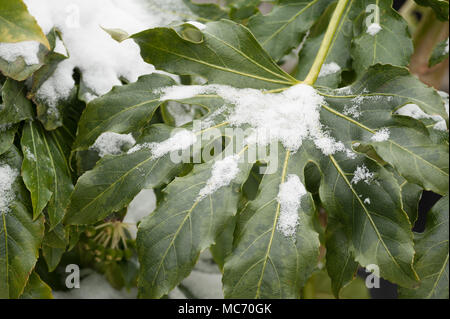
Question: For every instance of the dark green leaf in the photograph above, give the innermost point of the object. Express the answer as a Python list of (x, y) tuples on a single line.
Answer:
[(171, 238), (95, 194), (431, 261), (390, 45), (125, 109), (36, 288), (46, 171), (341, 265), (20, 236), (229, 54), (265, 263), (15, 106), (282, 29)]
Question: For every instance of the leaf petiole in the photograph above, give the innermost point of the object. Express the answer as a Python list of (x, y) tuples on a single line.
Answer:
[(326, 43)]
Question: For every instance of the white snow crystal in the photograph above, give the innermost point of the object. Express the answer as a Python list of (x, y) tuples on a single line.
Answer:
[(329, 68), (7, 177), (28, 50), (381, 135), (289, 198), (29, 155), (101, 60), (373, 29), (110, 143), (222, 173), (352, 111), (181, 140), (362, 173)]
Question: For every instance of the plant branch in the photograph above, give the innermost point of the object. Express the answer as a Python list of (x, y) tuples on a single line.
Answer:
[(326, 42)]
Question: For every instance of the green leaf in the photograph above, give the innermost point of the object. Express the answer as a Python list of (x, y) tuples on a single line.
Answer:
[(229, 54), (379, 229), (171, 238), (17, 25), (54, 245), (264, 262), (6, 137), (283, 28), (19, 70), (36, 288), (340, 260), (391, 45), (95, 194), (409, 148), (20, 236), (431, 261), (16, 107), (411, 195), (124, 109), (46, 171), (440, 7), (440, 53)]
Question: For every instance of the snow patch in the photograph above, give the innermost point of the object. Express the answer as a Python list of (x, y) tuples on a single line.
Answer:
[(101, 60), (373, 29), (28, 154), (362, 173), (329, 68), (110, 143), (289, 198), (178, 142), (222, 173), (367, 201), (7, 177), (381, 135), (28, 50), (414, 111)]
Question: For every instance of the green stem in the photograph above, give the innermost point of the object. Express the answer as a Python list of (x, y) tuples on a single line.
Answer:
[(326, 43)]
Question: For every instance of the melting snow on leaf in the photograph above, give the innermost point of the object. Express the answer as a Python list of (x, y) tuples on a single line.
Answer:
[(7, 177), (110, 143), (222, 173), (289, 197)]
